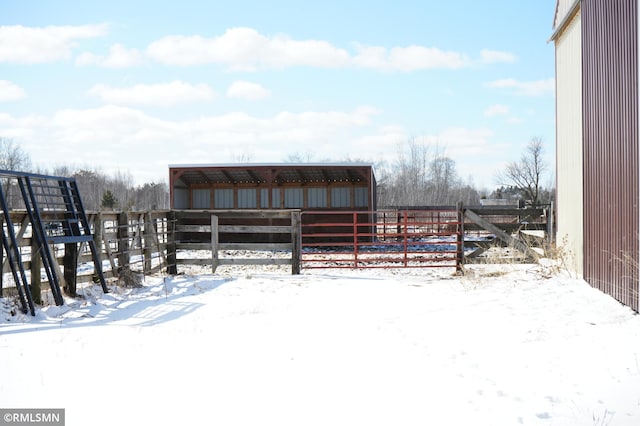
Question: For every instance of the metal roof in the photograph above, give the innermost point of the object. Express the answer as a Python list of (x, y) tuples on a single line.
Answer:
[(256, 174), (559, 27)]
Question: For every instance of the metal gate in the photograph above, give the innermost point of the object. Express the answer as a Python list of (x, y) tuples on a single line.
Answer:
[(395, 238)]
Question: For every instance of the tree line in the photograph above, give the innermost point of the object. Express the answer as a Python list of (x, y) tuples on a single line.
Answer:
[(99, 191), (421, 175), (424, 175)]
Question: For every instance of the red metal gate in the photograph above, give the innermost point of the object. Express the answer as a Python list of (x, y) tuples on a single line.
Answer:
[(382, 239)]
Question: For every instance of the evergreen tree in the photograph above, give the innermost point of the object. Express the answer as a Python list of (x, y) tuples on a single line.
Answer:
[(109, 201)]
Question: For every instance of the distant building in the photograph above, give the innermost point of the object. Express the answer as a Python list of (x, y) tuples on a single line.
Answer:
[(597, 153), (335, 186), (503, 202)]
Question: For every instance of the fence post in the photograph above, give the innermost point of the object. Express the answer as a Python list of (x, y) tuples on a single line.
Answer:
[(172, 267), (36, 273), (70, 263), (405, 235), (355, 239), (147, 240), (296, 242), (460, 239), (551, 237), (123, 241), (98, 235), (214, 243)]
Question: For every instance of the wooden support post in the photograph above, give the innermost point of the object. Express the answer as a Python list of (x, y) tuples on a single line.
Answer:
[(215, 261), (107, 248), (296, 242), (123, 241), (70, 263), (36, 273), (147, 239), (98, 232), (172, 267), (551, 235), (153, 231)]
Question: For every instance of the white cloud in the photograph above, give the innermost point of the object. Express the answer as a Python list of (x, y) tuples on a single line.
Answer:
[(496, 56), (525, 88), (464, 142), (163, 94), (118, 57), (495, 110), (10, 91), (247, 49), (410, 58), (247, 90), (151, 143), (22, 128), (33, 45)]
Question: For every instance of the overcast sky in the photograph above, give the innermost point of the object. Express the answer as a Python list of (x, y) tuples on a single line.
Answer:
[(133, 86)]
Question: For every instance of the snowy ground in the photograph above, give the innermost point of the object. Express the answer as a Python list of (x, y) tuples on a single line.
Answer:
[(503, 345)]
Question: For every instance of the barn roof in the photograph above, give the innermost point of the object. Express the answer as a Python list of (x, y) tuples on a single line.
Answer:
[(562, 17), (261, 173)]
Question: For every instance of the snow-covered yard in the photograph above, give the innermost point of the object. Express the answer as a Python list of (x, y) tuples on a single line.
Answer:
[(503, 345)]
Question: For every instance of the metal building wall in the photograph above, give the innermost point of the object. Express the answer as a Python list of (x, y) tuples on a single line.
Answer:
[(562, 9), (317, 197), (247, 198), (610, 130), (569, 142)]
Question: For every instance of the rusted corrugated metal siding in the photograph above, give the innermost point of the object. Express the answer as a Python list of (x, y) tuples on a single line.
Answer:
[(610, 130)]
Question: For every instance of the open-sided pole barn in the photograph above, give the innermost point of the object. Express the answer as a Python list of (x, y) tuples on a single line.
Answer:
[(327, 187), (349, 186)]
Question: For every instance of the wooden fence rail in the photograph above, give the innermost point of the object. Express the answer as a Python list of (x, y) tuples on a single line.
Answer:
[(146, 242), (213, 231), (136, 240)]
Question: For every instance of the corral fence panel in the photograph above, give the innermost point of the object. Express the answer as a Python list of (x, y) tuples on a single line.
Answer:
[(383, 238), (146, 242)]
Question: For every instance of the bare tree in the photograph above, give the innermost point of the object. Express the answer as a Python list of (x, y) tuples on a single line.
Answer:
[(91, 185), (13, 158), (152, 196), (525, 175), (122, 186), (443, 179), (423, 176), (244, 157), (297, 157)]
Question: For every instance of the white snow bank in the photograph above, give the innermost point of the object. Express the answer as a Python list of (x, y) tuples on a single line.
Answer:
[(502, 345)]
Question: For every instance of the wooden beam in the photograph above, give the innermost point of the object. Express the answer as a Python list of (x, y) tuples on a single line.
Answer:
[(228, 177), (296, 242), (215, 260), (500, 234)]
